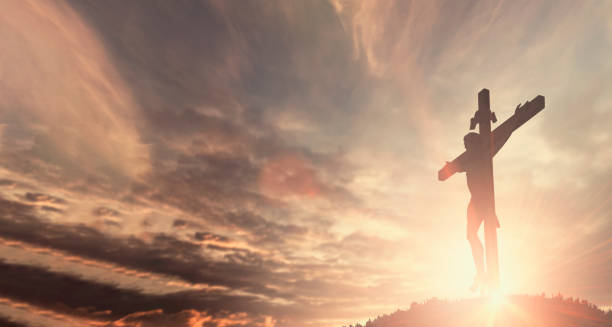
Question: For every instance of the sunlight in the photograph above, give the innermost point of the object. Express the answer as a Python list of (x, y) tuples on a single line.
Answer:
[(497, 300), (495, 305)]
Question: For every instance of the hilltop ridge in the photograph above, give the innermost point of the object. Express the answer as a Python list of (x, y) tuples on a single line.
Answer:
[(515, 311)]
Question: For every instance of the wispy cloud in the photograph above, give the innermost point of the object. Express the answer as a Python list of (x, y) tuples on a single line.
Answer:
[(273, 164)]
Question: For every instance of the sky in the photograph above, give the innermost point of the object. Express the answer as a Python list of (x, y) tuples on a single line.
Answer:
[(250, 163)]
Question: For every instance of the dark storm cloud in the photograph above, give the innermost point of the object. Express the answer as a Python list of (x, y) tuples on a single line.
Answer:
[(21, 224), (97, 301), (240, 269), (163, 254), (10, 323), (101, 302)]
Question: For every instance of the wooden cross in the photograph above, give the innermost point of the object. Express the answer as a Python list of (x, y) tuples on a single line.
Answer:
[(493, 141)]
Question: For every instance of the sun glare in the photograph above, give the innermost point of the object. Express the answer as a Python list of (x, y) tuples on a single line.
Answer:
[(497, 300)]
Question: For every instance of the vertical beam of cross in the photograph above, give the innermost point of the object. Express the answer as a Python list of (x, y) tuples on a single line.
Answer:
[(483, 117)]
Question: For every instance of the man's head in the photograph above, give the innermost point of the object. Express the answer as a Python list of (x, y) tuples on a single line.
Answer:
[(471, 141)]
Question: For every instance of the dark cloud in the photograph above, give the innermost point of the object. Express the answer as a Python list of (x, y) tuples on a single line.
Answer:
[(265, 231), (104, 211), (7, 182), (70, 295), (207, 236), (184, 224), (103, 302), (21, 224), (10, 323), (274, 148), (179, 223), (51, 209), (212, 91), (40, 197), (238, 270), (163, 254), (188, 318), (205, 113), (241, 57)]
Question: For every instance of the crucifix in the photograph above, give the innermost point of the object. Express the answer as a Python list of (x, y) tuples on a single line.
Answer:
[(477, 163)]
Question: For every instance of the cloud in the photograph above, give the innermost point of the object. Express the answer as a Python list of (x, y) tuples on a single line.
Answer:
[(39, 198), (238, 269), (10, 323), (284, 154), (207, 236), (192, 318), (66, 313), (241, 274), (104, 211), (67, 112), (96, 301)]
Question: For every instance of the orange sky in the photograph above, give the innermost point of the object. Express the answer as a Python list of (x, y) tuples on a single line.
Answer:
[(274, 164)]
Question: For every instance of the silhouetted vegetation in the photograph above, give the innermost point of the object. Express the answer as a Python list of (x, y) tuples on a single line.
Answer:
[(516, 311)]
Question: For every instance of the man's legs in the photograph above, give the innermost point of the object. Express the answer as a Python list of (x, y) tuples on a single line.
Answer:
[(474, 221)]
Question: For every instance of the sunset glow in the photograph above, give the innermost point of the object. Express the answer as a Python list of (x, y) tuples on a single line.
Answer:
[(273, 163)]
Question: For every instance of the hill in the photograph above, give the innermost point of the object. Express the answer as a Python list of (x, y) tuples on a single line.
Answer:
[(515, 311)]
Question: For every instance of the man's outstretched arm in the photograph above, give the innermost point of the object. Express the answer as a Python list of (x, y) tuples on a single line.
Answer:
[(455, 166)]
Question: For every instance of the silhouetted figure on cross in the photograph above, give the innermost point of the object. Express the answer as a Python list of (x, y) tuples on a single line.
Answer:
[(477, 163), (475, 172)]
